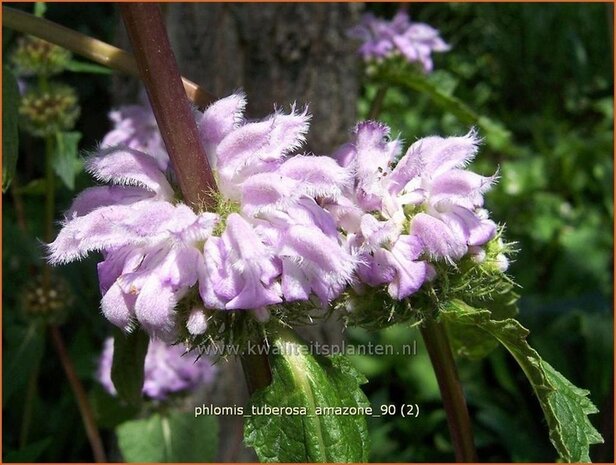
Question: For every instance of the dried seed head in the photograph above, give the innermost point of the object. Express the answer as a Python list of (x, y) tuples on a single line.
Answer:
[(46, 112), (34, 56), (47, 302)]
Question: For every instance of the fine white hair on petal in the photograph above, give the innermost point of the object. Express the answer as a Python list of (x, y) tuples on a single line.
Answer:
[(126, 166)]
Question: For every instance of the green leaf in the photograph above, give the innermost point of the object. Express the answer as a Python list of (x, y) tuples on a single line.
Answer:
[(29, 453), (128, 361), (26, 346), (572, 406), (307, 383), (565, 406), (10, 133), (34, 187), (471, 341), (173, 437), (497, 136), (85, 67), (110, 411), (40, 8), (65, 161)]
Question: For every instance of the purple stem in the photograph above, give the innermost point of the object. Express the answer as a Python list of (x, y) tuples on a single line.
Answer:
[(161, 77), (159, 72)]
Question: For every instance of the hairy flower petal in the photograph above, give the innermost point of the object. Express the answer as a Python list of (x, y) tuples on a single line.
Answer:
[(438, 239), (129, 167), (258, 147), (103, 196), (218, 121)]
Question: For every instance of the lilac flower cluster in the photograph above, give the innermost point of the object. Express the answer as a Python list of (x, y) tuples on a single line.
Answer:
[(398, 216), (383, 39), (287, 228), (168, 369), (277, 243)]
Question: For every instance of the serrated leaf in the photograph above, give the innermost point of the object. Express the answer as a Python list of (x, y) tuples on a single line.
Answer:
[(307, 382), (65, 162), (564, 406), (572, 406), (85, 67), (172, 437), (470, 341), (10, 133), (129, 352)]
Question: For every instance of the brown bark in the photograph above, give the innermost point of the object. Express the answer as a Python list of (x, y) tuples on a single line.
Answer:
[(279, 54)]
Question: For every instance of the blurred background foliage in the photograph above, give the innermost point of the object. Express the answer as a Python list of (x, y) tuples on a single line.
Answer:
[(543, 72)]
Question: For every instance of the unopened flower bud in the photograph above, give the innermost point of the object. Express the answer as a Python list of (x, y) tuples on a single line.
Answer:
[(34, 56), (197, 321), (502, 262), (46, 112), (478, 254)]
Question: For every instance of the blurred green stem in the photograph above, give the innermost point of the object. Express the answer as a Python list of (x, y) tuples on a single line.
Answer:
[(82, 400), (30, 399), (458, 419), (50, 189), (377, 102)]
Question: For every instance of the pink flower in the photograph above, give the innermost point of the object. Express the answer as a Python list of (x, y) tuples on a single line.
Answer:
[(280, 221), (383, 39), (279, 244), (400, 213), (168, 370), (149, 244)]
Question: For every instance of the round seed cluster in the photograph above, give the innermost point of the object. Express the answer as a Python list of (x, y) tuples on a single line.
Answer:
[(34, 56), (49, 302), (44, 113)]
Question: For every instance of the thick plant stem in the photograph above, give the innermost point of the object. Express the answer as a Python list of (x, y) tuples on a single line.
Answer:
[(257, 371), (377, 102), (160, 75), (82, 401), (90, 48), (439, 349)]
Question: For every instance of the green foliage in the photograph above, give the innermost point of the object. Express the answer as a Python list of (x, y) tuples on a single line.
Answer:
[(65, 160), (497, 136), (75, 66), (25, 343), (109, 410), (10, 135), (565, 406), (30, 453), (129, 352), (169, 437), (40, 8), (304, 381)]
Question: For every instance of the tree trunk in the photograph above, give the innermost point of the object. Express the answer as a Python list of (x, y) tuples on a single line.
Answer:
[(279, 54)]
